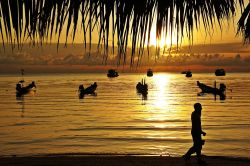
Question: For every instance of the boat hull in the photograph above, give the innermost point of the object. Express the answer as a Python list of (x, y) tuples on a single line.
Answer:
[(24, 90), (208, 89)]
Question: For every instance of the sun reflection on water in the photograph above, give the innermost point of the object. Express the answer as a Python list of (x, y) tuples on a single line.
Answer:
[(163, 110), (162, 86)]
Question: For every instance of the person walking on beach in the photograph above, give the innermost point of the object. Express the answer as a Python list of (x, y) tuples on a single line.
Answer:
[(196, 134)]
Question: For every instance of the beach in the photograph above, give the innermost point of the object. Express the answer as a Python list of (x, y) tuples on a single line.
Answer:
[(121, 160)]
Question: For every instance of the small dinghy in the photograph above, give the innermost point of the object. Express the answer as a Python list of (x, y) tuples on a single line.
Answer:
[(142, 87), (89, 90)]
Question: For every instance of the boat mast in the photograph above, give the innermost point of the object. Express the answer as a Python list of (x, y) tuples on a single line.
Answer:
[(215, 88), (22, 72)]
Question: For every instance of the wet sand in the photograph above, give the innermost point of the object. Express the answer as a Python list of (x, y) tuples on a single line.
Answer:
[(117, 160)]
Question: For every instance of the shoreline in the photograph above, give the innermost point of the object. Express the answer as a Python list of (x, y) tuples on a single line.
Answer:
[(116, 159), (76, 68)]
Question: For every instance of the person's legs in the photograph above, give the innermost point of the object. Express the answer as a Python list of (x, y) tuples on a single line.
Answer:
[(189, 153), (198, 146), (191, 150)]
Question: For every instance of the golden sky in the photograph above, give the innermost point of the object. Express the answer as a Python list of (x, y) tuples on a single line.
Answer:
[(225, 35)]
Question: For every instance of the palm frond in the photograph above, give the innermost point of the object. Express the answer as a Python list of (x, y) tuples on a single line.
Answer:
[(124, 21), (244, 24)]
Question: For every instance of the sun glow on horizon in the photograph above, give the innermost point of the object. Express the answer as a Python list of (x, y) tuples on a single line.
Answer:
[(163, 42)]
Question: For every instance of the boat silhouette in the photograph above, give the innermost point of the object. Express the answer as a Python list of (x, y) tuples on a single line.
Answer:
[(112, 73), (150, 73), (89, 90), (142, 87), (213, 90), (220, 72), (22, 90)]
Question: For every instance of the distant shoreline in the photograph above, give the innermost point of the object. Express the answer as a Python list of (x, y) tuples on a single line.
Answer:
[(74, 69)]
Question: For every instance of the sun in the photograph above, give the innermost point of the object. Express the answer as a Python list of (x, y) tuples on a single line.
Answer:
[(164, 41)]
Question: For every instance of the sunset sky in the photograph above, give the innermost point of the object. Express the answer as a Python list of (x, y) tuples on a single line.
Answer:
[(226, 34), (218, 41)]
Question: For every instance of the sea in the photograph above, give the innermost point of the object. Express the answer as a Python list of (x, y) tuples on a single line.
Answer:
[(117, 120)]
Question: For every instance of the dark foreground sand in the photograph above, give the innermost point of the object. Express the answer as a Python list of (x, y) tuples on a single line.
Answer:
[(117, 160)]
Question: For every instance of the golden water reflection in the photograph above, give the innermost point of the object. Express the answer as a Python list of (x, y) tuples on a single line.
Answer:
[(161, 82), (163, 111), (164, 96), (115, 121)]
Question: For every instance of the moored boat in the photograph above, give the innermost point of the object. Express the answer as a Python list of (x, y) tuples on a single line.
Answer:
[(150, 73), (142, 87), (208, 89), (220, 72), (22, 90), (112, 73), (188, 74), (89, 90)]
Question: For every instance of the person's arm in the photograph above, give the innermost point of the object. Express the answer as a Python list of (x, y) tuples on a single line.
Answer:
[(199, 123), (202, 132)]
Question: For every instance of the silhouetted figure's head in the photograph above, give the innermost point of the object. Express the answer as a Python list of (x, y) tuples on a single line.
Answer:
[(197, 107), (18, 87), (81, 87), (95, 84), (33, 84)]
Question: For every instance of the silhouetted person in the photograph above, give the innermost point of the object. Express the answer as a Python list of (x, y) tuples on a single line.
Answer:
[(81, 91), (18, 87), (94, 85), (196, 134), (81, 87)]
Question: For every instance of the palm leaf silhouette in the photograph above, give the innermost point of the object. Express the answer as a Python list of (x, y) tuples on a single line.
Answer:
[(116, 20)]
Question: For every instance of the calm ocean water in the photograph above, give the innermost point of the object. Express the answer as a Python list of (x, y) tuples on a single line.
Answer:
[(117, 120)]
